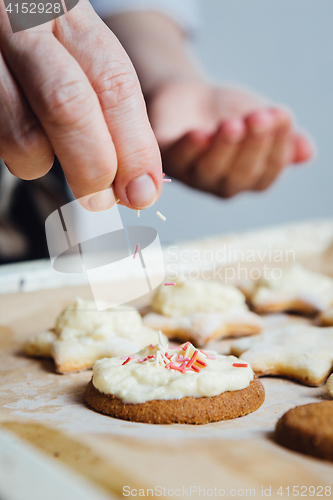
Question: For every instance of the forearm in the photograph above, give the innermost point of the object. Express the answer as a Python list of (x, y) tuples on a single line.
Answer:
[(157, 47)]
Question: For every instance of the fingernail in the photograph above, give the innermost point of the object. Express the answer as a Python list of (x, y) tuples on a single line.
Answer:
[(141, 191), (103, 200)]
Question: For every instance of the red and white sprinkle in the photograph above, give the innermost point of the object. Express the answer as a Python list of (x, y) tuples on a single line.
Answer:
[(186, 359), (136, 251)]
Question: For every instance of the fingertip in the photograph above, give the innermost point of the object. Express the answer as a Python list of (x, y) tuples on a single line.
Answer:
[(198, 137), (260, 122), (100, 201), (233, 130), (304, 147)]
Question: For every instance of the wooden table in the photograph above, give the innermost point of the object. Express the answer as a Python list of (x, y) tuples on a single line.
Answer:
[(83, 453)]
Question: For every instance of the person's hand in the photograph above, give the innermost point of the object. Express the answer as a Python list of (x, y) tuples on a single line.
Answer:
[(223, 140), (68, 88)]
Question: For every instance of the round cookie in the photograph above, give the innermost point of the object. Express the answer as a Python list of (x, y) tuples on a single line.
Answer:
[(308, 429), (186, 410)]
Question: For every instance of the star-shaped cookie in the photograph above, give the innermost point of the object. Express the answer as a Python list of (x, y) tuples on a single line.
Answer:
[(201, 311), (301, 352), (83, 335), (293, 289)]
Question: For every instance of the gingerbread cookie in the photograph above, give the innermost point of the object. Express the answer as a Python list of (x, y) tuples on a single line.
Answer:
[(293, 289), (329, 385), (82, 334), (308, 429), (301, 352), (163, 385), (202, 311)]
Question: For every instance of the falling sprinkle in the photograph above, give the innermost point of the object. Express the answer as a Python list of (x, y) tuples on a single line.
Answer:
[(163, 175), (138, 213), (166, 180), (161, 216), (136, 251)]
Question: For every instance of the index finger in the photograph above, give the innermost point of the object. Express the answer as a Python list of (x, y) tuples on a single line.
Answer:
[(66, 105)]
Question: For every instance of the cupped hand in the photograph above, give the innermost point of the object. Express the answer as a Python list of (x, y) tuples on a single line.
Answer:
[(68, 88), (223, 140)]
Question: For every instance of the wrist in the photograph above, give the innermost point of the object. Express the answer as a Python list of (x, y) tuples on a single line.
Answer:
[(158, 48)]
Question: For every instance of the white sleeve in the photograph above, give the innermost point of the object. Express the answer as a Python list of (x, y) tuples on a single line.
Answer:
[(184, 12)]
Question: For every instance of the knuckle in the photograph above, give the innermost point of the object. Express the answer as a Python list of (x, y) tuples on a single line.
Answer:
[(27, 141), (68, 103), (116, 87)]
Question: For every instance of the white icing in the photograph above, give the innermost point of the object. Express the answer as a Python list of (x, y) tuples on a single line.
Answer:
[(191, 296), (82, 319), (137, 382), (295, 283)]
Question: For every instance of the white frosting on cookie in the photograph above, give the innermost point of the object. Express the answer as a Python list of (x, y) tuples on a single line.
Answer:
[(82, 319), (191, 296), (137, 382), (329, 385), (295, 283), (83, 334)]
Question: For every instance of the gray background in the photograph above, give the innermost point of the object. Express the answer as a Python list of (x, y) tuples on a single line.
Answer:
[(284, 50)]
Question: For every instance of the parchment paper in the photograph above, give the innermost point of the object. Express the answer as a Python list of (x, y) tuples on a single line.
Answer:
[(47, 410)]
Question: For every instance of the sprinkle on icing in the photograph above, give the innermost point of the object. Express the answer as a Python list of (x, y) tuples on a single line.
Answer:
[(163, 373), (178, 361), (240, 365), (171, 283)]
